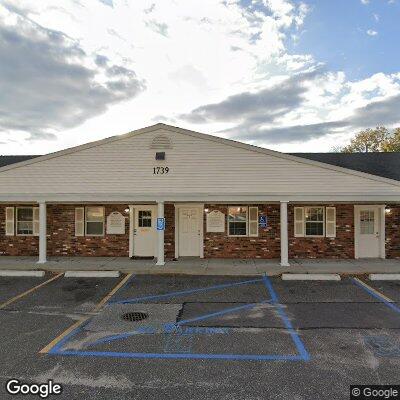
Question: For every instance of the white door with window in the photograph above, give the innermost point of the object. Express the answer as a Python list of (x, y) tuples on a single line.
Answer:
[(189, 232), (368, 232), (144, 232)]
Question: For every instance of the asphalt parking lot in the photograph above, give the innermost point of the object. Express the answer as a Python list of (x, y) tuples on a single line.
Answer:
[(197, 337)]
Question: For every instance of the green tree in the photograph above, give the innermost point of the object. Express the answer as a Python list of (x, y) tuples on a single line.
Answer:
[(393, 142), (369, 140)]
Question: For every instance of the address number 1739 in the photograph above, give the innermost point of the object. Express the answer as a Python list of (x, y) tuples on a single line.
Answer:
[(160, 170)]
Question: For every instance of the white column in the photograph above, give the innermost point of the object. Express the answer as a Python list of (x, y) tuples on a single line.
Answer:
[(131, 215), (284, 235), (160, 235), (42, 233), (382, 231)]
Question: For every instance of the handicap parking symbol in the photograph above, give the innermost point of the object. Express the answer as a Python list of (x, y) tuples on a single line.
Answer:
[(263, 221), (160, 224)]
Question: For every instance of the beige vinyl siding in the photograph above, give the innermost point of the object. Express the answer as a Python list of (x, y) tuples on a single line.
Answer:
[(196, 165)]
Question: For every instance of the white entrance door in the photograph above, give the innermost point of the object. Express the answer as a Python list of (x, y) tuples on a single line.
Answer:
[(189, 232), (144, 232), (368, 232)]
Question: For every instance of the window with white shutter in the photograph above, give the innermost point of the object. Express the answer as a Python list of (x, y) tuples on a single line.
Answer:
[(298, 221), (330, 222), (10, 221), (79, 221), (24, 221), (253, 221), (36, 221)]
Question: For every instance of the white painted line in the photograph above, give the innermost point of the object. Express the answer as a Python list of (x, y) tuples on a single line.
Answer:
[(371, 289), (92, 274), (16, 272), (384, 277), (310, 277)]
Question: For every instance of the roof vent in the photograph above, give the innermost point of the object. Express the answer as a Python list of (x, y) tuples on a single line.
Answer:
[(161, 142)]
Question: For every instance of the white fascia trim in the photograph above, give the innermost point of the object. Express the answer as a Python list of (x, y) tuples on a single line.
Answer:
[(249, 198)]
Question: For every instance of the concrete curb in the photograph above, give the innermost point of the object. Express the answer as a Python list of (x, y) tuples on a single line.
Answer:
[(311, 277), (384, 277), (14, 272), (92, 274)]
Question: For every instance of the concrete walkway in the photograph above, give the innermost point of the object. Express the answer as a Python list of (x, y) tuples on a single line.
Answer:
[(198, 266)]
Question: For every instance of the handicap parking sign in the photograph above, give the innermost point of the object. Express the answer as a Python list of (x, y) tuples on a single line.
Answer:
[(160, 224), (262, 221)]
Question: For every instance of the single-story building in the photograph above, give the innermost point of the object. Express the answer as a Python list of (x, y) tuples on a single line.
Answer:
[(167, 192)]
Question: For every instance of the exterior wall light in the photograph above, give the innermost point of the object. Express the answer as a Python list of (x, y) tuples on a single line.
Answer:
[(127, 210), (388, 211), (206, 210)]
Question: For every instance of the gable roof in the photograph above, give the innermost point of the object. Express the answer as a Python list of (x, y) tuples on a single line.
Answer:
[(386, 165), (287, 156)]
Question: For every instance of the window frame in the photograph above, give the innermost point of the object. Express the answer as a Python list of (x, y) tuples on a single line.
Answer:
[(145, 218), (16, 221), (323, 221), (247, 208), (247, 221), (86, 221)]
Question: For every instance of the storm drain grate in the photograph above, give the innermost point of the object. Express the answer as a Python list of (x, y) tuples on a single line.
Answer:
[(135, 316)]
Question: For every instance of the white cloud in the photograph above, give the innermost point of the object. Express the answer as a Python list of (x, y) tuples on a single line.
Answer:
[(365, 2), (195, 56), (371, 32)]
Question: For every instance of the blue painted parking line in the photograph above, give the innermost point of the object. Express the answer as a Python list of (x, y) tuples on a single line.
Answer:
[(375, 293), (205, 356), (288, 324), (183, 292), (177, 325), (222, 312), (57, 348), (181, 330)]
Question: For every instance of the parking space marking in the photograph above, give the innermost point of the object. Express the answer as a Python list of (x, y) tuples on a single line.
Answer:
[(19, 296), (183, 292), (73, 328), (178, 325), (56, 347), (222, 312), (378, 295), (288, 324)]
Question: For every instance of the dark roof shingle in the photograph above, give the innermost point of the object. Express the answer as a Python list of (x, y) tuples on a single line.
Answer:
[(386, 165), (7, 160)]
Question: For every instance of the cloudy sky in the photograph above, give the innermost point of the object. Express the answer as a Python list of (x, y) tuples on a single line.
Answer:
[(287, 75)]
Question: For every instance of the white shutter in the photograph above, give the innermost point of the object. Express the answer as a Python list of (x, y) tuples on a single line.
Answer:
[(10, 221), (35, 221), (330, 222), (253, 221), (79, 221), (299, 221)]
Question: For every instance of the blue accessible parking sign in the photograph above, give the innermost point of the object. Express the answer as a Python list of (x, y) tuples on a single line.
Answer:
[(160, 224), (263, 221)]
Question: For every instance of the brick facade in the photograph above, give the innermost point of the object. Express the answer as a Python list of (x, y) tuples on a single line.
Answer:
[(16, 245), (63, 242), (266, 245), (340, 247), (393, 232), (169, 234)]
